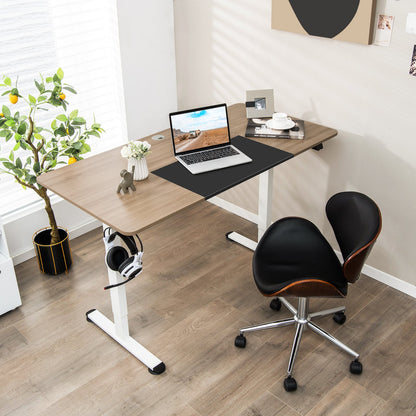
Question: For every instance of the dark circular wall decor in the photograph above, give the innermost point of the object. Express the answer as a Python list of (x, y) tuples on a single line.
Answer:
[(326, 18)]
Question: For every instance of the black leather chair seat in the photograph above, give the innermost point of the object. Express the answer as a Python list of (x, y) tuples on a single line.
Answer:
[(294, 251)]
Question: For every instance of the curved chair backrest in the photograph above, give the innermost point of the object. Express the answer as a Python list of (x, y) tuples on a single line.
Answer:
[(356, 221)]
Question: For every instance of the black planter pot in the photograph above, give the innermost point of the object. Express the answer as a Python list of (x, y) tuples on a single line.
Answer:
[(52, 258)]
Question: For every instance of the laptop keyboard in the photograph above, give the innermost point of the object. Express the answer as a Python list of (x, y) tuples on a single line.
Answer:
[(209, 155)]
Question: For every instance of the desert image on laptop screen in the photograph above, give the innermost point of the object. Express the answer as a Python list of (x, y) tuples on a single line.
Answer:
[(199, 129)]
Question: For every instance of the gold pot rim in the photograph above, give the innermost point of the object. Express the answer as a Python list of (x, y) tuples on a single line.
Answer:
[(49, 228)]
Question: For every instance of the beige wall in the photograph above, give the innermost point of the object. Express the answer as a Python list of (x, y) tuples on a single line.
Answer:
[(224, 48)]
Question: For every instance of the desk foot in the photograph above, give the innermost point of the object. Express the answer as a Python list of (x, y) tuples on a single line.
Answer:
[(154, 365), (240, 239)]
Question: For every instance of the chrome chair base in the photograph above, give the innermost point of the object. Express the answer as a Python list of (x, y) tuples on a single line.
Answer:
[(302, 319)]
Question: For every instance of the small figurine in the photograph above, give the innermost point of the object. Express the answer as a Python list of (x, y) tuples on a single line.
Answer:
[(126, 182)]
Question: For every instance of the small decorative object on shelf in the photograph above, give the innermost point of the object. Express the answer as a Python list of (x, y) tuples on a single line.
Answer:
[(136, 152)]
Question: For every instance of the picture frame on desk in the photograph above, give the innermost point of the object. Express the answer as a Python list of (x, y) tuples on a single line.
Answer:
[(259, 103), (256, 127)]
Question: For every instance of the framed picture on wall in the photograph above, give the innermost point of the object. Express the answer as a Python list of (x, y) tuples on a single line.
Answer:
[(259, 103), (348, 20)]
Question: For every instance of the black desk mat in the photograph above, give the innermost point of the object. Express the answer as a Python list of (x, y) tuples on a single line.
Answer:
[(212, 183)]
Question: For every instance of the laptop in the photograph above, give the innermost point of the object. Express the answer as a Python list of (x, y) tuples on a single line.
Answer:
[(201, 139)]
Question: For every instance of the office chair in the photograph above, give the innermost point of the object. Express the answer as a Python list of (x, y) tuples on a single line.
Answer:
[(293, 258)]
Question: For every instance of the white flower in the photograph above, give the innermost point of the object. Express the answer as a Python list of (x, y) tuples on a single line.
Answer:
[(136, 149), (125, 151)]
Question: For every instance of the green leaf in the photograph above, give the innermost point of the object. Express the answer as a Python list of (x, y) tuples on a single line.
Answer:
[(17, 137), (11, 156), (78, 121), (56, 80), (36, 167), (22, 128), (31, 179), (85, 148), (41, 98), (6, 92), (32, 99), (7, 81), (40, 87), (70, 89), (19, 163), (49, 79), (73, 114), (8, 165), (60, 131), (38, 136), (4, 133), (10, 122), (54, 125), (16, 146), (94, 133), (77, 145), (60, 73), (14, 91), (62, 117), (5, 110)]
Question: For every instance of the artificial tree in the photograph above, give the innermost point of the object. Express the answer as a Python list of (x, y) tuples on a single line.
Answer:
[(39, 149)]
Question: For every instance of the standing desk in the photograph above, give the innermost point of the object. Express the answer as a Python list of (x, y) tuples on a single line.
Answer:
[(91, 185)]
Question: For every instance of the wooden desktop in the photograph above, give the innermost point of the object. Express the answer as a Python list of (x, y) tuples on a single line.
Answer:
[(91, 184)]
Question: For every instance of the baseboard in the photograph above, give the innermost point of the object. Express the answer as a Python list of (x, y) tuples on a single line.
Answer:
[(369, 271), (390, 280)]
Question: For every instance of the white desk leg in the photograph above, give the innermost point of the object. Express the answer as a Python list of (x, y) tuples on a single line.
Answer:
[(264, 211), (265, 202), (119, 329)]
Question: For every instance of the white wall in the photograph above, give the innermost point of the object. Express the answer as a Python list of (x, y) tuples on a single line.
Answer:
[(148, 61), (224, 48)]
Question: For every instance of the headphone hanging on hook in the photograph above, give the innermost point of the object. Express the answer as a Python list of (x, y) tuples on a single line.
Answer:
[(118, 259)]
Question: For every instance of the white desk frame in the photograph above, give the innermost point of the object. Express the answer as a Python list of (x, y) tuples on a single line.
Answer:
[(119, 329), (264, 213)]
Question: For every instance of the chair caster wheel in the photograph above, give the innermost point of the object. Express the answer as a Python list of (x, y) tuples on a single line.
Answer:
[(240, 341), (339, 317), (356, 367), (290, 384), (276, 304)]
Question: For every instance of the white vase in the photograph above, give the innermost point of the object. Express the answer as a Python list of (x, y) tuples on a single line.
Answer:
[(140, 168)]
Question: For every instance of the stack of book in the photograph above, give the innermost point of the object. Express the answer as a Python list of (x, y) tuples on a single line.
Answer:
[(256, 127)]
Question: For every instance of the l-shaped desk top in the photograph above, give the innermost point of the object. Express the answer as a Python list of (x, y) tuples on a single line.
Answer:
[(91, 184)]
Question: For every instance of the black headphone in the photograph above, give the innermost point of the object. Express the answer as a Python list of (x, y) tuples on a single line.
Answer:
[(117, 258)]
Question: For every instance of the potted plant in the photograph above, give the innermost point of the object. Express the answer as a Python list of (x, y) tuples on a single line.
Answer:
[(38, 149)]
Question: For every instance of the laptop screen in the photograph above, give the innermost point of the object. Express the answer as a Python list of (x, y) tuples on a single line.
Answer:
[(199, 128)]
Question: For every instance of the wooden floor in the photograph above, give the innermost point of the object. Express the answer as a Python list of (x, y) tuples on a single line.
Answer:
[(196, 290)]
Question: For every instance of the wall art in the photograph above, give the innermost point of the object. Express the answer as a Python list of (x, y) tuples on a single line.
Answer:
[(384, 29), (348, 20), (412, 70)]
